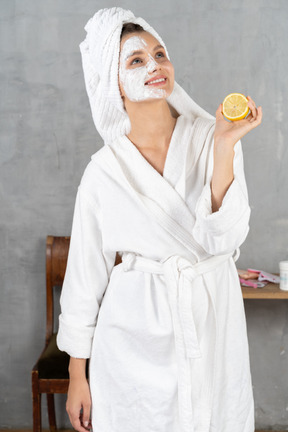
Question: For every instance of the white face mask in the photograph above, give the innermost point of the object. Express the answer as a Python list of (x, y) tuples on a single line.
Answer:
[(133, 80)]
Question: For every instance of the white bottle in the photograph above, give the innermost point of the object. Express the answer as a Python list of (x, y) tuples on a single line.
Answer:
[(283, 275)]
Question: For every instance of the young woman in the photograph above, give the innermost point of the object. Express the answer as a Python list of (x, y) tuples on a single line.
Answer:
[(165, 329)]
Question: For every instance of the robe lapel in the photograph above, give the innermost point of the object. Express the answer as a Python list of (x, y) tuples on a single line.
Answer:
[(159, 194)]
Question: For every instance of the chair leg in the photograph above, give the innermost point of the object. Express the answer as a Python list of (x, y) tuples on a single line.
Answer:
[(51, 412), (37, 426)]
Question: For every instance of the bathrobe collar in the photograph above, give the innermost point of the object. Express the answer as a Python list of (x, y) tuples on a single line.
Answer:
[(164, 196)]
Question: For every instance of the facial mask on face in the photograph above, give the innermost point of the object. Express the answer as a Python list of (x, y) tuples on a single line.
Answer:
[(133, 80)]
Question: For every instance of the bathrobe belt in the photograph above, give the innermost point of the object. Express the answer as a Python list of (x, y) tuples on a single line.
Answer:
[(180, 274)]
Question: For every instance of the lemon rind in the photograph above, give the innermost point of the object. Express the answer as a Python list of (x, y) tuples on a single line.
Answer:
[(240, 117)]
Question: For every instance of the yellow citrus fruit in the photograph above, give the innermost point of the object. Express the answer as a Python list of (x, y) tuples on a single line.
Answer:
[(235, 106)]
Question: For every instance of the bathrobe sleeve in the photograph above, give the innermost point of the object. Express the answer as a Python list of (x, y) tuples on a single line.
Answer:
[(226, 229), (86, 278)]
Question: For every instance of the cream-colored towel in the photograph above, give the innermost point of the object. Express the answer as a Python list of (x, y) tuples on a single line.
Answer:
[(100, 59)]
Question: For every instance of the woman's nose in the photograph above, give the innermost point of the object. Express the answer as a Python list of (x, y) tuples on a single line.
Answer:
[(151, 64)]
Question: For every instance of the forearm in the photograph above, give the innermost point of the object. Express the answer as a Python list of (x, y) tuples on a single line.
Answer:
[(223, 175), (77, 368)]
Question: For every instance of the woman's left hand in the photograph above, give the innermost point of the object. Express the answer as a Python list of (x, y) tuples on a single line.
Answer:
[(231, 132)]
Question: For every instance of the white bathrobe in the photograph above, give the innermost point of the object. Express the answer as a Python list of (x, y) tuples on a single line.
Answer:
[(165, 330)]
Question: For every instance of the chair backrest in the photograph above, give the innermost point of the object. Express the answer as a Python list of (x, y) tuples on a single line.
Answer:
[(57, 249)]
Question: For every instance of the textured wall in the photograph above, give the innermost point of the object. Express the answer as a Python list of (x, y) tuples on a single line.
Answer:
[(47, 138)]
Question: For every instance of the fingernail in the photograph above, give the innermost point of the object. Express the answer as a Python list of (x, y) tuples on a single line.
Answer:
[(86, 423)]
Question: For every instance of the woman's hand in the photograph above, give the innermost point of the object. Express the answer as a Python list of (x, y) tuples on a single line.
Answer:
[(229, 133), (78, 405), (79, 399)]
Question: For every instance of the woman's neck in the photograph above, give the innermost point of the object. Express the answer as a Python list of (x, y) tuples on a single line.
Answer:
[(152, 123)]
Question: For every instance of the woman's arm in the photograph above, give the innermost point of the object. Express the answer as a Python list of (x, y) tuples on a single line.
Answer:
[(78, 395), (225, 137), (222, 173), (222, 210), (87, 275), (86, 278)]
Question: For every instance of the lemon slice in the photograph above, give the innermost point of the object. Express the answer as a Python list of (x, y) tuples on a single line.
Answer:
[(235, 106)]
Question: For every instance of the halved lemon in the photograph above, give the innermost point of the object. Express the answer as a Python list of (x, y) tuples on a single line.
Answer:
[(235, 106)]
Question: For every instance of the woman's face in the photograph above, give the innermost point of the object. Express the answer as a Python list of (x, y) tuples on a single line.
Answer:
[(144, 69)]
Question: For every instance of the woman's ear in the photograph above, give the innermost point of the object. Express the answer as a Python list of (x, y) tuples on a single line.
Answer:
[(120, 89)]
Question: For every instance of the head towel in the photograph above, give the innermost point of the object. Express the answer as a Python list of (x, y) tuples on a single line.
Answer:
[(100, 58)]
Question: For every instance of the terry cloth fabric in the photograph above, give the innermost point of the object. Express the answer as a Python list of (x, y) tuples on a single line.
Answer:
[(145, 322), (100, 59)]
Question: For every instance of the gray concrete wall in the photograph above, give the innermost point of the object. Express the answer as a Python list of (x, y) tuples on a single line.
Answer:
[(47, 138)]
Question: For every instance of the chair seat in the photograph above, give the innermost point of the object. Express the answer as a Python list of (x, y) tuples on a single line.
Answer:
[(53, 363)]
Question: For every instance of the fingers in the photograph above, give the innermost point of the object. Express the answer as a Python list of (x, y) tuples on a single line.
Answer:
[(256, 113), (219, 113), (78, 425), (252, 106), (258, 119), (255, 116), (86, 416), (80, 421)]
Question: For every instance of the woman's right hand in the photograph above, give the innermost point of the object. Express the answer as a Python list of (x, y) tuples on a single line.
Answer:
[(79, 398), (78, 405)]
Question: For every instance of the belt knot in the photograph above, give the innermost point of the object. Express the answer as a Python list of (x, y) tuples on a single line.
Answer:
[(183, 266), (128, 262)]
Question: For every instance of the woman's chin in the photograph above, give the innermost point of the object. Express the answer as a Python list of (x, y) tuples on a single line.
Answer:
[(151, 98)]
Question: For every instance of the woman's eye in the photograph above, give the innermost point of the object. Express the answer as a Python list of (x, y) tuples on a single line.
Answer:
[(138, 60), (135, 61)]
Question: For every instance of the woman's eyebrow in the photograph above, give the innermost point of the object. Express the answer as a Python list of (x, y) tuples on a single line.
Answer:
[(141, 51), (157, 47), (134, 53)]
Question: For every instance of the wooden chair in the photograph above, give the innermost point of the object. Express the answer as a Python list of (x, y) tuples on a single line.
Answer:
[(50, 373)]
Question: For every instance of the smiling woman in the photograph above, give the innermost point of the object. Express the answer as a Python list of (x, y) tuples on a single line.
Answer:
[(145, 71), (165, 329), (146, 75)]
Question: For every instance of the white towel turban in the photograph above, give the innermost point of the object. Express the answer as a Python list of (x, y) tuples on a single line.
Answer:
[(100, 58)]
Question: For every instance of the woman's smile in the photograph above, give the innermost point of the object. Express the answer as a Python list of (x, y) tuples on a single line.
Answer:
[(145, 72), (156, 81)]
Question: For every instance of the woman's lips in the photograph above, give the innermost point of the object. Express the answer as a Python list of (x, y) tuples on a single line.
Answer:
[(155, 82)]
